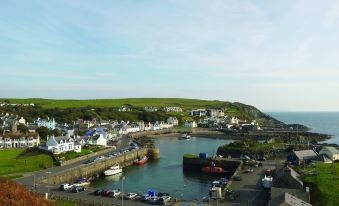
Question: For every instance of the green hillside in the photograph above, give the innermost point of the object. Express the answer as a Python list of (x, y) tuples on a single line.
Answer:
[(70, 110), (104, 103)]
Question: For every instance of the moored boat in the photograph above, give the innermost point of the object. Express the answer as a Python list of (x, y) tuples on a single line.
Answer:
[(141, 161), (113, 170), (216, 170), (186, 136)]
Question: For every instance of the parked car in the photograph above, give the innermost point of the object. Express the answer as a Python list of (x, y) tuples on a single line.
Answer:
[(250, 170), (164, 200), (115, 193), (145, 197), (78, 189), (98, 192), (65, 186), (153, 200), (106, 193), (99, 158), (130, 196), (237, 178), (89, 161)]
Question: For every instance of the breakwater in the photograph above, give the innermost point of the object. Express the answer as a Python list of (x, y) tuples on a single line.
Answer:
[(96, 168)]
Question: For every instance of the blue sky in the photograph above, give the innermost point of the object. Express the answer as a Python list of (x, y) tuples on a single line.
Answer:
[(276, 55)]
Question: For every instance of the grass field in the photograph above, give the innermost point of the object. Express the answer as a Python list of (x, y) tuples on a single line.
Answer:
[(137, 102), (325, 185), (16, 161)]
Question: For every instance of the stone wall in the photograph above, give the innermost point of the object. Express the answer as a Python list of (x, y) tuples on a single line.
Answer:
[(94, 169)]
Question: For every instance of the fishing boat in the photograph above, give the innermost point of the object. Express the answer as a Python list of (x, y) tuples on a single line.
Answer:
[(215, 170), (113, 170), (186, 136), (141, 161)]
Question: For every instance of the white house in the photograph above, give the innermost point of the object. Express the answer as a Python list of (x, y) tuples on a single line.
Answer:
[(173, 120), (155, 126), (19, 142), (124, 109), (61, 144), (148, 126), (173, 109), (22, 121), (150, 109), (190, 124), (330, 152), (49, 123), (97, 140), (198, 112)]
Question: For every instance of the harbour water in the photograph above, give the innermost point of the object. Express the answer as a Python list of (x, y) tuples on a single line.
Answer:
[(166, 174), (322, 122)]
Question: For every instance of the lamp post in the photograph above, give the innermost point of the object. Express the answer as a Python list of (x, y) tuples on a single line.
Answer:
[(122, 190)]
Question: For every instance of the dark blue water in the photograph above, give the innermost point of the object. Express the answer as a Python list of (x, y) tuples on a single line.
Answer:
[(322, 122), (166, 174)]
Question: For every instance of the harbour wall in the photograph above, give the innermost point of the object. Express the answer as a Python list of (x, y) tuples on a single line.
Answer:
[(196, 163), (96, 168)]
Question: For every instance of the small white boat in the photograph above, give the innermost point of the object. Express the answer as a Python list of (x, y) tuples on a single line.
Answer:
[(185, 136), (113, 170)]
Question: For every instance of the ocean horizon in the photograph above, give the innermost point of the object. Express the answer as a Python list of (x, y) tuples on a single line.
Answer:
[(321, 122)]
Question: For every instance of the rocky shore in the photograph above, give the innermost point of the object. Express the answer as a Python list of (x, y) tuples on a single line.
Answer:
[(284, 135)]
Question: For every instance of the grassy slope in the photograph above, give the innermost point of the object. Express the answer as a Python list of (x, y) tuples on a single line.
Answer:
[(326, 191), (17, 161), (137, 102)]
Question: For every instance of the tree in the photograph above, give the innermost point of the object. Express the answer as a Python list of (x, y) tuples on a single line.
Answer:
[(56, 132), (22, 128), (43, 132)]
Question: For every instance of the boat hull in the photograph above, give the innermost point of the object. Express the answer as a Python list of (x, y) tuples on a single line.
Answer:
[(213, 170), (112, 172), (141, 162)]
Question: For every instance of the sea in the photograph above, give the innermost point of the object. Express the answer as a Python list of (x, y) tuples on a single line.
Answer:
[(322, 122)]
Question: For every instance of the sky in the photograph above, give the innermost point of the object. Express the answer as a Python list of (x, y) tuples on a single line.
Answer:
[(275, 55)]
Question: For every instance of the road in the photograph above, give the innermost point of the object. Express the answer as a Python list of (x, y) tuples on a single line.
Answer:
[(250, 188)]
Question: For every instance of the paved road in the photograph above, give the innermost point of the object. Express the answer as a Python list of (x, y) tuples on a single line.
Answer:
[(249, 188), (28, 181)]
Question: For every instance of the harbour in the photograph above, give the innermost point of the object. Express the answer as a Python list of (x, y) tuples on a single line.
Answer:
[(167, 174)]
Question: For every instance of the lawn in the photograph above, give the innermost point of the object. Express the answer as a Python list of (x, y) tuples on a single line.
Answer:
[(325, 185), (88, 149), (72, 155), (137, 102), (13, 162)]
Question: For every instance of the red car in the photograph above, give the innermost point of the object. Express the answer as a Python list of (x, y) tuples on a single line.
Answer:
[(106, 193)]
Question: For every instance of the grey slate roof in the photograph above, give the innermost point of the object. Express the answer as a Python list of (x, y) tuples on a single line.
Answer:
[(305, 154)]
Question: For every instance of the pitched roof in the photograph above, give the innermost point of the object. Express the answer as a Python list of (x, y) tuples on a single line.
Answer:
[(332, 150), (292, 197), (305, 154)]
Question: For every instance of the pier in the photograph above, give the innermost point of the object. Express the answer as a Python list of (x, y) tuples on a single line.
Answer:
[(95, 169)]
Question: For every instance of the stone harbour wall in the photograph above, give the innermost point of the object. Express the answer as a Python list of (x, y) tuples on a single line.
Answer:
[(96, 168)]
